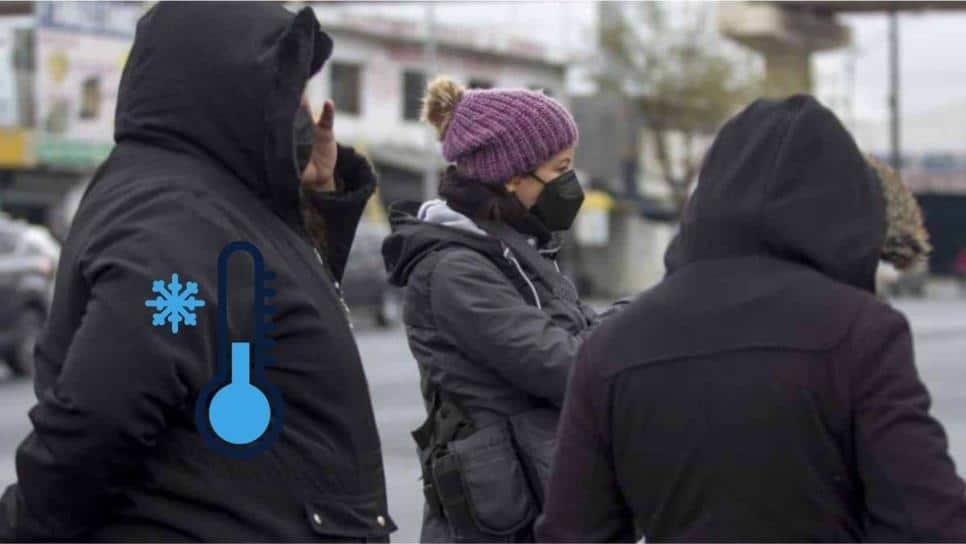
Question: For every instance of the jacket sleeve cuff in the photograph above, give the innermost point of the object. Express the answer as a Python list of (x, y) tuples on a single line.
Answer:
[(332, 217), (340, 198), (355, 182)]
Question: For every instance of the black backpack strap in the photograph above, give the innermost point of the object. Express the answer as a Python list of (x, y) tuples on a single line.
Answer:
[(445, 422), (424, 437)]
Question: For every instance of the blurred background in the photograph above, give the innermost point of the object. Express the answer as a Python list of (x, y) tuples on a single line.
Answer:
[(649, 83)]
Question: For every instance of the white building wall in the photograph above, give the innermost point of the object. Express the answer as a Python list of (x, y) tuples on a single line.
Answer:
[(380, 121)]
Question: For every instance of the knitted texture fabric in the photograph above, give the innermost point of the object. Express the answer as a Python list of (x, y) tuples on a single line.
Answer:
[(495, 134)]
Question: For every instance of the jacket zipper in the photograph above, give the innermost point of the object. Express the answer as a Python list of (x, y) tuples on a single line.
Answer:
[(338, 289), (508, 255)]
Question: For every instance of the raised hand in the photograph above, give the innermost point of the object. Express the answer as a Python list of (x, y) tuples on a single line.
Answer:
[(320, 172)]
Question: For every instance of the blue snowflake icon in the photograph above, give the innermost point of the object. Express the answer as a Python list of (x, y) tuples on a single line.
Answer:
[(174, 304)]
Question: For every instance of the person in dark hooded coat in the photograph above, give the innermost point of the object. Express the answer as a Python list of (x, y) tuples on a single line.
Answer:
[(760, 392), (493, 324), (211, 143)]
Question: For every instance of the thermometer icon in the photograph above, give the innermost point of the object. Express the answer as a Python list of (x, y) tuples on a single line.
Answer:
[(239, 411)]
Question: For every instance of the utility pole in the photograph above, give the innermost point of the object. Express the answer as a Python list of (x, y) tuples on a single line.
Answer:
[(430, 182), (850, 61), (894, 117)]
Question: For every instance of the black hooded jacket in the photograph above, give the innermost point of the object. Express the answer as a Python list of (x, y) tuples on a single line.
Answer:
[(204, 157), (760, 391)]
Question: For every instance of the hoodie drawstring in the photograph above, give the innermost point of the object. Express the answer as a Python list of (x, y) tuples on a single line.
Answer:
[(509, 256)]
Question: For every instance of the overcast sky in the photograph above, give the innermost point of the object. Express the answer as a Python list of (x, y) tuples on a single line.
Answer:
[(932, 62)]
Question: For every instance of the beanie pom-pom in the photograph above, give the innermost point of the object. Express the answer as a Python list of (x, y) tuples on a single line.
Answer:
[(442, 95)]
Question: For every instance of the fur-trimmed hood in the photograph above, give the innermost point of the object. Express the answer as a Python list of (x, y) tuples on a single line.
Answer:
[(906, 238)]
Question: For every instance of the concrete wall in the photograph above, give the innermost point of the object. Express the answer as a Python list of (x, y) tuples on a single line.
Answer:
[(633, 259), (610, 128)]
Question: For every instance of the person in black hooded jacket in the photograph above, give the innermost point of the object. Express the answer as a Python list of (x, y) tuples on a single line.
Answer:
[(211, 142), (760, 392)]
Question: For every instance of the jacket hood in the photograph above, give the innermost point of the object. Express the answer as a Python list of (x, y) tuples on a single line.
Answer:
[(438, 212), (784, 179), (418, 230), (223, 81)]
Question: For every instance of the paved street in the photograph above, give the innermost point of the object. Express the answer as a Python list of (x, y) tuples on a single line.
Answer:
[(939, 325)]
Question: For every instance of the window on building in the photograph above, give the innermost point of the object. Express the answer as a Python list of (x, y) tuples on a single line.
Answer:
[(478, 83), (414, 85), (23, 64), (23, 50), (347, 88), (90, 103)]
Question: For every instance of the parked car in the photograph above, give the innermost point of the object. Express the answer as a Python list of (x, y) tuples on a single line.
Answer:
[(364, 284), (62, 214), (28, 266)]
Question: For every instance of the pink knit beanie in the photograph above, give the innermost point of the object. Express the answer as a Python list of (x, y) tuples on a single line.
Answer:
[(495, 134)]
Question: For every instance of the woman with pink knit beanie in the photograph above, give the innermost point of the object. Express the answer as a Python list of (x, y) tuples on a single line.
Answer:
[(492, 323)]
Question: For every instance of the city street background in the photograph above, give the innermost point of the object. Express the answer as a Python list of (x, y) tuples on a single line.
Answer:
[(649, 84), (938, 322)]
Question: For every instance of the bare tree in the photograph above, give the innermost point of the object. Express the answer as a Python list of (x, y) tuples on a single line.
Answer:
[(678, 77)]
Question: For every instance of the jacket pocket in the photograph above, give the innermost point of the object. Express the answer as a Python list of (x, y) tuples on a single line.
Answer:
[(535, 435), (495, 482), (353, 517)]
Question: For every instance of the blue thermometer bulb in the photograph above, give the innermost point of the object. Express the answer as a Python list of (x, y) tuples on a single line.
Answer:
[(240, 412)]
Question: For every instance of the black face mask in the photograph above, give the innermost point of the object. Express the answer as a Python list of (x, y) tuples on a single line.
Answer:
[(303, 136), (559, 202)]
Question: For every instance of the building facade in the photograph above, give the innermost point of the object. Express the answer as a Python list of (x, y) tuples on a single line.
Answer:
[(378, 74)]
